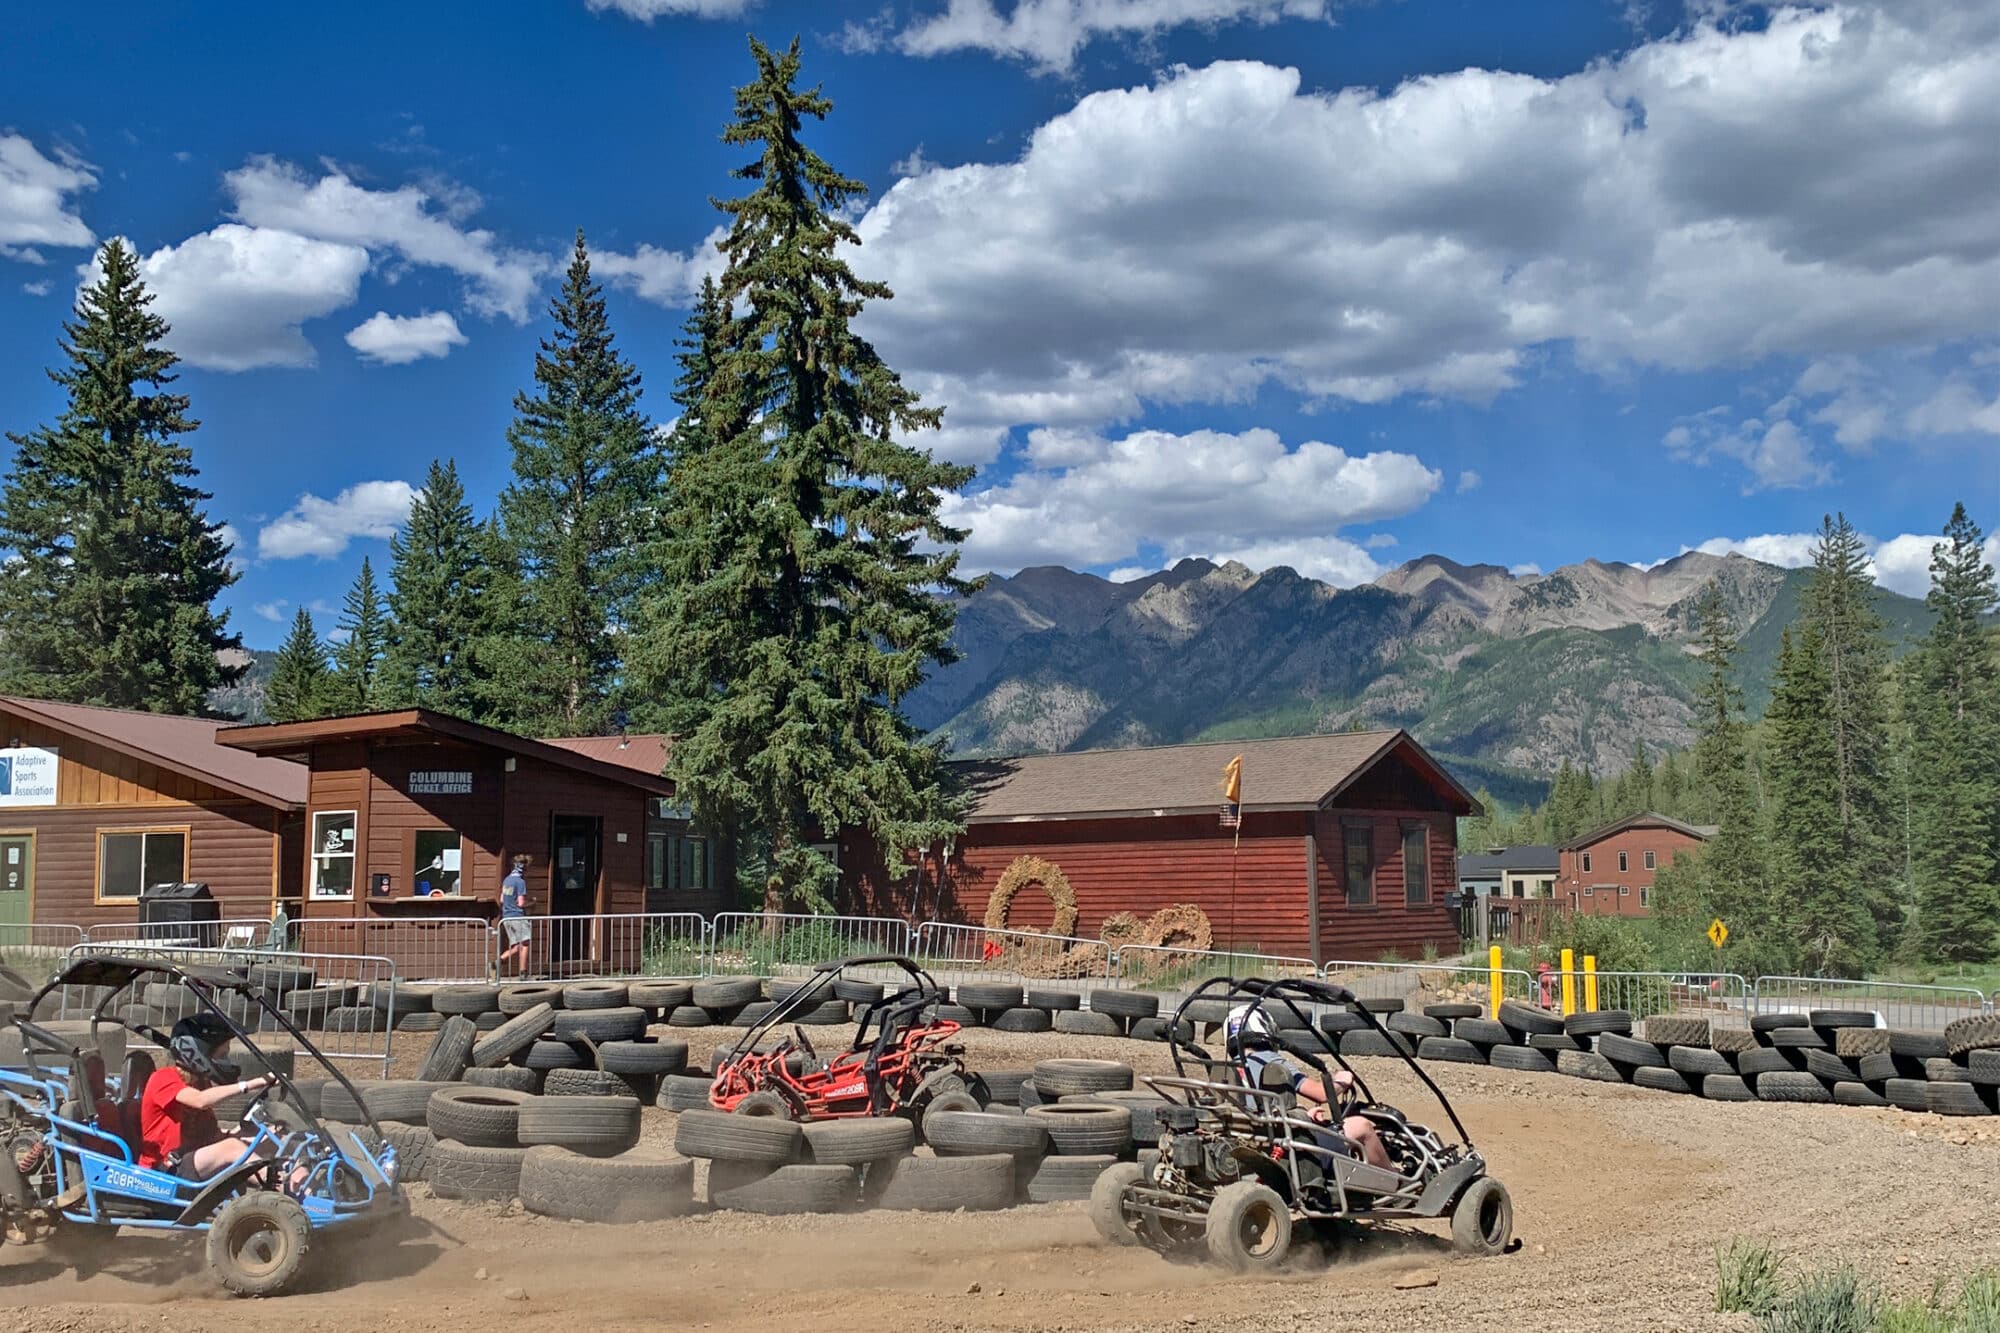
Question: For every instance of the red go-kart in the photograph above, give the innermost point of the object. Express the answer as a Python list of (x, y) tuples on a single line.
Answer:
[(902, 1061)]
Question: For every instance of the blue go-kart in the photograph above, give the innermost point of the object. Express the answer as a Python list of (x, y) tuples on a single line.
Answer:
[(69, 1136)]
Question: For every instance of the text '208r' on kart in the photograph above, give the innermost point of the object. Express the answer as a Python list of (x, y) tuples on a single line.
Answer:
[(81, 1150), (902, 1061), (1242, 1163)]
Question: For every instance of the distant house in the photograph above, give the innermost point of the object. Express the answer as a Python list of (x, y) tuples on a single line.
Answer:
[(1609, 871), (1346, 849), (1509, 872)]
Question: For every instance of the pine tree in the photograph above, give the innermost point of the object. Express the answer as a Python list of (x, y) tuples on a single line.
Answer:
[(108, 597), (355, 686), (1728, 878), (804, 547), (299, 682), (515, 680), (1667, 787), (586, 479), (1572, 805), (1953, 693), (1639, 795), (434, 602), (1839, 605), (1811, 884)]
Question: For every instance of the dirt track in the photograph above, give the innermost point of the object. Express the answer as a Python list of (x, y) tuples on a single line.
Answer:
[(1620, 1197)]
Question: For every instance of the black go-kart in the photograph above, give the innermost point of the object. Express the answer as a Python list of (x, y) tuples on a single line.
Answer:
[(1241, 1165)]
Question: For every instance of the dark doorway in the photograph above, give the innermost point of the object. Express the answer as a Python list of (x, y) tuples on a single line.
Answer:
[(573, 855)]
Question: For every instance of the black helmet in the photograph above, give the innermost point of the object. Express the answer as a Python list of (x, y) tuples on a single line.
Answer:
[(193, 1046)]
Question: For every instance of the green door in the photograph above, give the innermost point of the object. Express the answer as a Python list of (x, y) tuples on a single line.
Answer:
[(17, 880)]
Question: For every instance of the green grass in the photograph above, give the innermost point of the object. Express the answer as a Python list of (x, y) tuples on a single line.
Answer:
[(1979, 976), (1746, 1277), (1751, 1279)]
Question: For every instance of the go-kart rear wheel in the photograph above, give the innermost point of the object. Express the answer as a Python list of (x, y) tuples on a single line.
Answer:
[(1107, 1203), (1249, 1228), (1482, 1222), (766, 1103), (257, 1243)]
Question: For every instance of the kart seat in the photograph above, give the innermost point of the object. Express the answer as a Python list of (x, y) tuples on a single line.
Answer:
[(122, 1116)]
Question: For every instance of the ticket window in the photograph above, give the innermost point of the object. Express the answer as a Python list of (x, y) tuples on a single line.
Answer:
[(436, 863)]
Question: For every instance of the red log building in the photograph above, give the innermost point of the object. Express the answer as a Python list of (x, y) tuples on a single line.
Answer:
[(1347, 850)]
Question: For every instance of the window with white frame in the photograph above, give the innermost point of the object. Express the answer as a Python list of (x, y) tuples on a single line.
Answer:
[(1651, 864), (1586, 863), (1622, 866), (333, 854)]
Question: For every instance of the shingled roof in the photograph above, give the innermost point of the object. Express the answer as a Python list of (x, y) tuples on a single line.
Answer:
[(1285, 773), (184, 745)]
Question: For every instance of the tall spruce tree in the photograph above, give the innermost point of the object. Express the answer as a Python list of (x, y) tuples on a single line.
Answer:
[(1812, 896), (434, 602), (514, 681), (586, 478), (1839, 605), (803, 548), (1952, 688), (1667, 787), (108, 597), (1639, 794), (355, 686), (299, 683)]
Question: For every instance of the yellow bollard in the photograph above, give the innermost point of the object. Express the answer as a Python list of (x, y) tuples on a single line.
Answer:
[(1493, 978), (1590, 983), (1569, 982)]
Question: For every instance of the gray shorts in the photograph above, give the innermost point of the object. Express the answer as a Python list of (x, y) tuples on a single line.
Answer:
[(515, 929)]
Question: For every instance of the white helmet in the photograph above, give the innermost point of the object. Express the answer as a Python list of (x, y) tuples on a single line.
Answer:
[(1247, 1027)]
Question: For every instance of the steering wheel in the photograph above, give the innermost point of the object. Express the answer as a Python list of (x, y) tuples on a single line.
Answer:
[(804, 1043)]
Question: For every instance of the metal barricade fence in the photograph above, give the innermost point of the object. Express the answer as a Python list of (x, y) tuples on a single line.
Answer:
[(36, 951), (768, 944), (237, 932), (635, 944), (1163, 968), (1466, 983), (1721, 997), (328, 995), (422, 948), (956, 953), (1901, 1005)]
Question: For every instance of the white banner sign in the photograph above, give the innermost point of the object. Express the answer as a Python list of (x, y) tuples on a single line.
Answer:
[(27, 777)]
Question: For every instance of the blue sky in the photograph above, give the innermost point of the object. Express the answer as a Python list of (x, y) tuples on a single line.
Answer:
[(1291, 281)]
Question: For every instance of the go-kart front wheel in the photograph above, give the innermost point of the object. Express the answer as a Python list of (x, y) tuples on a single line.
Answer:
[(1482, 1222), (257, 1243), (1249, 1228), (1107, 1203)]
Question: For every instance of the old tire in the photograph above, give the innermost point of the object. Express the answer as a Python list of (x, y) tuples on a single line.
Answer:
[(1783, 1018), (404, 1100), (1918, 1045), (632, 1187), (1482, 1031), (450, 1052), (754, 1188), (619, 1024), (258, 1243), (478, 1117), (980, 1133), (724, 992), (1125, 1003), (720, 1137), (1797, 1039), (1524, 1058), (765, 1105), (1857, 1094), (1450, 1050), (643, 1056), (584, 1083), (1528, 1019), (988, 995), (1630, 1051), (515, 1035), (1087, 1024), (1697, 1062), (1249, 1228), (1369, 1042), (462, 1171), (1053, 1000), (520, 999), (689, 1016), (547, 1055), (1978, 1032), (1659, 1079), (1955, 1099), (1107, 1211), (1768, 1060), (1665, 1030), (1067, 1179), (1911, 1094), (1453, 1011), (1855, 1042), (1588, 1064), (592, 1126), (1415, 1025), (413, 1144), (1063, 1078), (1791, 1087), (1604, 1020), (595, 995), (469, 1001), (1732, 1041), (1726, 1088), (1022, 1020), (685, 1092), (1482, 1221), (514, 1078), (660, 996), (1841, 1018), (942, 1184), (1085, 1129), (858, 1142)]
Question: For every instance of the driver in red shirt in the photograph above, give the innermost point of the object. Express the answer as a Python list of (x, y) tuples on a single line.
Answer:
[(177, 1129)]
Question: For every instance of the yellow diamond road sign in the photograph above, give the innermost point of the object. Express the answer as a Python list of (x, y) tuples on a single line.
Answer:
[(1718, 934)]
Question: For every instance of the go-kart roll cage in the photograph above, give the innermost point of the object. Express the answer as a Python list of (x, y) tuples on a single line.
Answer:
[(116, 973), (891, 1014), (1291, 992)]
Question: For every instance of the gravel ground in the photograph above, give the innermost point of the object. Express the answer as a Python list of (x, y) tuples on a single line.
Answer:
[(1620, 1196)]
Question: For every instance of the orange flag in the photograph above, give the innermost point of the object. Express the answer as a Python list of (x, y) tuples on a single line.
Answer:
[(1232, 781)]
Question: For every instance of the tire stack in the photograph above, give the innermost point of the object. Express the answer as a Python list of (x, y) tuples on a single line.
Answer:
[(585, 1026), (562, 1156)]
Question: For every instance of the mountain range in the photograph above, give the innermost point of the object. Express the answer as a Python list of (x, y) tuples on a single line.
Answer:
[(1503, 675)]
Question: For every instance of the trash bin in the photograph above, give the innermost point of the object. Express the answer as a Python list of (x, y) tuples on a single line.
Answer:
[(184, 912)]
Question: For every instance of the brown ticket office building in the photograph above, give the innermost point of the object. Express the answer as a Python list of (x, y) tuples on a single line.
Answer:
[(416, 814)]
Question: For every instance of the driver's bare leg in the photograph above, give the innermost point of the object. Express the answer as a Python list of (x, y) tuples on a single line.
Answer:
[(1361, 1130), (224, 1153)]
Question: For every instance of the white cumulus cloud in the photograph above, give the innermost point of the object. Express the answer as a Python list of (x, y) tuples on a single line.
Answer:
[(1206, 492), (1901, 563), (323, 528), (1468, 480), (37, 199), (648, 10), (1049, 33), (273, 611), (397, 340), (234, 297), (421, 225), (664, 277)]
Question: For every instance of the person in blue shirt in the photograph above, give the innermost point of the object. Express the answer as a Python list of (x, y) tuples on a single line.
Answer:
[(514, 927)]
